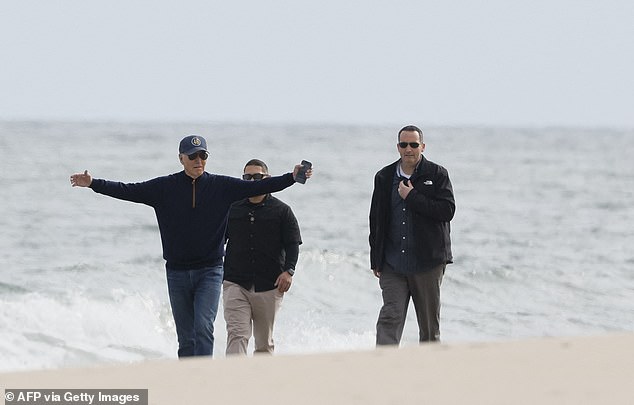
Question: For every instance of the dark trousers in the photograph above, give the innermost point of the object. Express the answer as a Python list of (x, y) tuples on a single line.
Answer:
[(424, 289)]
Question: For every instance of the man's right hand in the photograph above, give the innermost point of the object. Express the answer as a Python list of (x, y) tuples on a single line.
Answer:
[(377, 273), (81, 179)]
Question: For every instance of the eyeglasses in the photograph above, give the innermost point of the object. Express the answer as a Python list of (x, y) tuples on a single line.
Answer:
[(413, 145), (203, 154), (256, 176)]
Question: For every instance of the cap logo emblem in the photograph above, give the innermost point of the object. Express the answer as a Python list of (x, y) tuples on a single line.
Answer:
[(196, 142)]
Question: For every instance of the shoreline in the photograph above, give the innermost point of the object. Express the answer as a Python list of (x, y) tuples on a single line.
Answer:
[(572, 370)]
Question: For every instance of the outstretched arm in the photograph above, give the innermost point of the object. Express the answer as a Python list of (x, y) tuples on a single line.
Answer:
[(81, 179)]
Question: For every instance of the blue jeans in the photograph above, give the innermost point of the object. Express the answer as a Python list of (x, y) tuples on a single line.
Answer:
[(194, 296)]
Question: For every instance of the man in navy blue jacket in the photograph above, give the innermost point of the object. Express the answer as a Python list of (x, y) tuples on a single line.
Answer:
[(191, 208)]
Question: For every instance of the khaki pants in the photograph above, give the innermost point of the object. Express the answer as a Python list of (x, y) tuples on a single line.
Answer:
[(248, 312), (424, 289)]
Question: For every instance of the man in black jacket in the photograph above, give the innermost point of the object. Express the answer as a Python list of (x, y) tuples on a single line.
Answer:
[(262, 251), (412, 205)]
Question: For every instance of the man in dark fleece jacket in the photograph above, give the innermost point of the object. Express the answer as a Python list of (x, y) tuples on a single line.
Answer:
[(191, 208), (410, 247)]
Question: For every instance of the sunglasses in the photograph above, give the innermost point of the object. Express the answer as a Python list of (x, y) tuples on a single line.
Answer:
[(256, 176), (413, 145), (203, 154)]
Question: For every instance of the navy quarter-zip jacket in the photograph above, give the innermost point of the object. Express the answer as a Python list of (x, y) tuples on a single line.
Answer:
[(191, 214)]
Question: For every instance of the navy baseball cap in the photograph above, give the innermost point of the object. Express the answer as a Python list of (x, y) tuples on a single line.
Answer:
[(191, 144)]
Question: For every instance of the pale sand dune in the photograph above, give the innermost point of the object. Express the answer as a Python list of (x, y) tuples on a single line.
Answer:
[(586, 370)]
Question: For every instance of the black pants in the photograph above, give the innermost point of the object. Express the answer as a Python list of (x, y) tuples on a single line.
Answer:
[(424, 289)]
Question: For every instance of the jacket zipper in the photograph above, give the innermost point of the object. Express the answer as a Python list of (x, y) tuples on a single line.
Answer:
[(194, 193)]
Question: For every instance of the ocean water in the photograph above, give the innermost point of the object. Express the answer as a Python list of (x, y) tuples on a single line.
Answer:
[(542, 236)]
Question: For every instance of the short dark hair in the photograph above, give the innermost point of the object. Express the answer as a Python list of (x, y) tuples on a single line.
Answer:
[(412, 128), (257, 162)]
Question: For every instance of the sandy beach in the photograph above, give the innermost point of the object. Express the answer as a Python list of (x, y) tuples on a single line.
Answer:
[(584, 370)]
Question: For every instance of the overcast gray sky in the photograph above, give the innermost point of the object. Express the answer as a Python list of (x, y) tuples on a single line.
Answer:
[(493, 62)]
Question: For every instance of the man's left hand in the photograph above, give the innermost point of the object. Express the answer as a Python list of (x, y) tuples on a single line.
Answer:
[(297, 168), (283, 282)]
